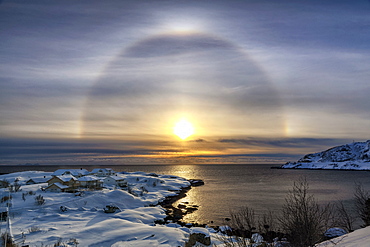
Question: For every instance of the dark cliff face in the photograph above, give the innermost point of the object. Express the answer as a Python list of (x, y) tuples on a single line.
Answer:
[(357, 151)]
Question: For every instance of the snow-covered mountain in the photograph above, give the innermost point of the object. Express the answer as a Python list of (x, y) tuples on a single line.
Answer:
[(354, 156)]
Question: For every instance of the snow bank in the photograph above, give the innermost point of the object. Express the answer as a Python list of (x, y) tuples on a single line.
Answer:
[(358, 238)]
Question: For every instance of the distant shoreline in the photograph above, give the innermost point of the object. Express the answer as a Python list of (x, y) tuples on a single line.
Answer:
[(6, 169), (322, 169)]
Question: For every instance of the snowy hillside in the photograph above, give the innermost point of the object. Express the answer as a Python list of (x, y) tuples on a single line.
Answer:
[(354, 156), (69, 218)]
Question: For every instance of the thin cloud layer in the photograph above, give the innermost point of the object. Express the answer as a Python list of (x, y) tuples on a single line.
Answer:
[(255, 78), (175, 44)]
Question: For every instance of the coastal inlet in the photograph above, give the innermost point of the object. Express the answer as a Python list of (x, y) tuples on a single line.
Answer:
[(176, 210)]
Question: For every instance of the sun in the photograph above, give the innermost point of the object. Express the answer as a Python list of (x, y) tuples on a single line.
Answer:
[(183, 129)]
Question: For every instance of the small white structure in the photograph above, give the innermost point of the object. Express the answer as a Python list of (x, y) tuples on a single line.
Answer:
[(37, 180), (103, 172), (67, 180), (57, 187), (62, 179), (74, 172), (90, 182), (115, 180)]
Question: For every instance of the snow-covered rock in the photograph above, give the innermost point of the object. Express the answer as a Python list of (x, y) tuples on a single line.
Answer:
[(354, 156), (257, 238), (199, 235), (335, 232), (200, 230), (225, 228)]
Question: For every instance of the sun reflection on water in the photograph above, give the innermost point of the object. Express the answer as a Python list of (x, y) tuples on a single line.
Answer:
[(193, 196), (185, 171)]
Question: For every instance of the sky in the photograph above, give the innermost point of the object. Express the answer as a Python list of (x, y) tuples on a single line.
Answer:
[(92, 82)]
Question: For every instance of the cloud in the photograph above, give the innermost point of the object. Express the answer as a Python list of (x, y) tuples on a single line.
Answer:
[(230, 150), (39, 108), (175, 44), (286, 142), (331, 25), (39, 149), (48, 152), (257, 157), (198, 140)]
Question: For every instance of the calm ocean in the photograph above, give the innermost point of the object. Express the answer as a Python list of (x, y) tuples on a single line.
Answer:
[(232, 186)]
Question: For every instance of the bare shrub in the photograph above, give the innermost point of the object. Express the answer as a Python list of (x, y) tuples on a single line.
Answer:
[(131, 191), (15, 187), (241, 225), (243, 221), (302, 218), (267, 226), (234, 241), (58, 243), (5, 183), (344, 217), (5, 199), (362, 204), (143, 191), (39, 200), (73, 241), (245, 225), (238, 241), (302, 221)]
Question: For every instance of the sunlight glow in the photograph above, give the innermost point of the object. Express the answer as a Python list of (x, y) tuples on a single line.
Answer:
[(183, 129), (183, 25)]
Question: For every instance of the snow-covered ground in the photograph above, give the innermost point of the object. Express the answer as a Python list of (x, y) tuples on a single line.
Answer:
[(85, 222), (358, 238)]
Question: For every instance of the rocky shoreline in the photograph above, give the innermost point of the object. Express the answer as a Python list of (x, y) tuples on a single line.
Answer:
[(176, 214)]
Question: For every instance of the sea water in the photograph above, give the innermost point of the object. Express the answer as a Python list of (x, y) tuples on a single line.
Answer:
[(232, 186)]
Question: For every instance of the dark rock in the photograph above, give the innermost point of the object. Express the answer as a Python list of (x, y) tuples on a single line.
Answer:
[(111, 209), (198, 237), (196, 182)]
